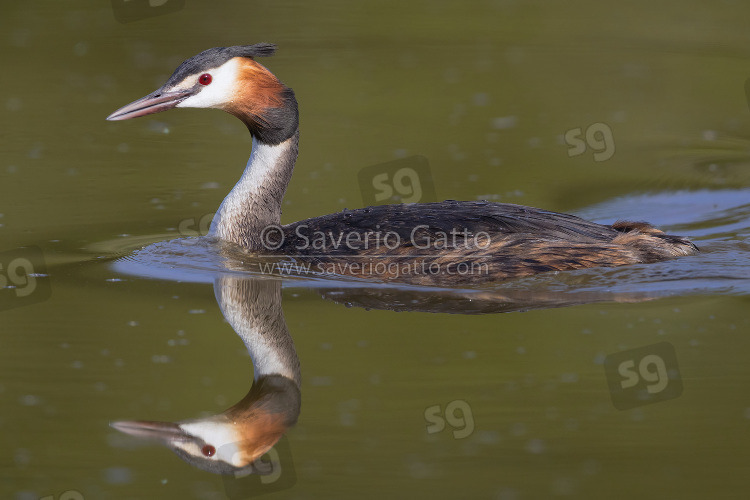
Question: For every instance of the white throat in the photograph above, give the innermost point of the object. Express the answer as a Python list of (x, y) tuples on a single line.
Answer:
[(253, 309), (271, 351), (255, 201)]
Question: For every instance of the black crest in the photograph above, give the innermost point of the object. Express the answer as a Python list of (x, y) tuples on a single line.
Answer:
[(215, 57)]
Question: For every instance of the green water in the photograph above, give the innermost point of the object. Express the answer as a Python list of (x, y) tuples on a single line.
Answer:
[(498, 97)]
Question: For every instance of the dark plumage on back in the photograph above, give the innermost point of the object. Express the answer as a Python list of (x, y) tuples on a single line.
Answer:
[(516, 241)]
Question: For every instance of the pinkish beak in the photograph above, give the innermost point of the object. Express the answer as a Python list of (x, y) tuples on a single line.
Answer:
[(155, 102), (162, 431)]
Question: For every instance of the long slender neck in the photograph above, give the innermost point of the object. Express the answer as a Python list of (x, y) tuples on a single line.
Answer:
[(255, 201), (253, 309)]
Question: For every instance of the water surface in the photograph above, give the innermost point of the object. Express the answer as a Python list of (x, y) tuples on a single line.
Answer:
[(639, 113)]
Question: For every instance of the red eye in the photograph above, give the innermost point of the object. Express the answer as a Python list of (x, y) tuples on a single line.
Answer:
[(208, 450), (205, 79)]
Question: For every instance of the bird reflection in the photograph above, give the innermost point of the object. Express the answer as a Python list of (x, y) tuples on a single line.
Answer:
[(234, 441), (470, 302)]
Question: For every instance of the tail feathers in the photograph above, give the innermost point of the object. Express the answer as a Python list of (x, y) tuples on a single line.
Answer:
[(653, 244)]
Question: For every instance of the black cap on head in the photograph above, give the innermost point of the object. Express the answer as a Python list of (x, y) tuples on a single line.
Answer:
[(217, 56)]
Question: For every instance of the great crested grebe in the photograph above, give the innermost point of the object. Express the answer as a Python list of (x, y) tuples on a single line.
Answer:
[(233, 441), (421, 243)]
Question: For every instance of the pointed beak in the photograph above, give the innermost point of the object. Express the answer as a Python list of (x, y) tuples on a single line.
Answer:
[(155, 102), (162, 431)]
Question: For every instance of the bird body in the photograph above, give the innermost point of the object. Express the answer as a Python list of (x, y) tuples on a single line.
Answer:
[(515, 240), (486, 241)]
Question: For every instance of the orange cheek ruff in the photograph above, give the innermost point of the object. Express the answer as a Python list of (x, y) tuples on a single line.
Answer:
[(259, 436), (257, 90)]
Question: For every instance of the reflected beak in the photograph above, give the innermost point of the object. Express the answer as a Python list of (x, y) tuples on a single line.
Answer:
[(155, 102), (162, 431)]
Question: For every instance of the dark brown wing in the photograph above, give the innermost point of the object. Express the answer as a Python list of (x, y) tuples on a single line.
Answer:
[(499, 240), (415, 223)]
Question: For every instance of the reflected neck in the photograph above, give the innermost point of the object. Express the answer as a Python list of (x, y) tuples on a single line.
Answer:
[(253, 309), (255, 201)]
